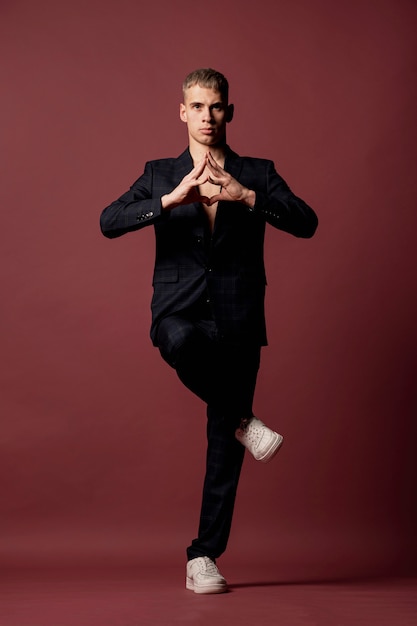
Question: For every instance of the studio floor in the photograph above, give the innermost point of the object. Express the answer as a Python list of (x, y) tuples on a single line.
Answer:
[(156, 596)]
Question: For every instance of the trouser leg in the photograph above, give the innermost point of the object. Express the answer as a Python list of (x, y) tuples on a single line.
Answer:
[(223, 466), (224, 377), (225, 454)]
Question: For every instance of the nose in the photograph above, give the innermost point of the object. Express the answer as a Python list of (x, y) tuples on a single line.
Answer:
[(207, 114)]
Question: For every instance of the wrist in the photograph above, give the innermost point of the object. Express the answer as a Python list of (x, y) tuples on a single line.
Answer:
[(166, 202), (249, 198)]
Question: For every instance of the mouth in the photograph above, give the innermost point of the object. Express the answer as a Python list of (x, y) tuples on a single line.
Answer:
[(207, 131)]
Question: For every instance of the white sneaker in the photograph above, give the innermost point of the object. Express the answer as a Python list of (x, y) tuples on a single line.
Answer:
[(262, 442), (204, 577)]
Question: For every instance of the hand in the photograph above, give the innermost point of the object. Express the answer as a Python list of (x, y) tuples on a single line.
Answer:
[(187, 191), (230, 189)]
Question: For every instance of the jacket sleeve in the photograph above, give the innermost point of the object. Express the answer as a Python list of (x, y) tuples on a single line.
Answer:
[(282, 209), (136, 208)]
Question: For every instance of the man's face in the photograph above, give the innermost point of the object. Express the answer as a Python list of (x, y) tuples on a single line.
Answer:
[(206, 114)]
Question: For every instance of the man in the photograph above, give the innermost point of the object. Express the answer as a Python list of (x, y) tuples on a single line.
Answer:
[(209, 208)]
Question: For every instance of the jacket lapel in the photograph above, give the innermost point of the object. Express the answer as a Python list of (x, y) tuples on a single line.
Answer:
[(233, 163), (183, 164)]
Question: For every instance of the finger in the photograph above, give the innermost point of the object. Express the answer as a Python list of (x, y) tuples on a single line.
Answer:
[(195, 181), (215, 170), (214, 199), (214, 175), (213, 163), (198, 169)]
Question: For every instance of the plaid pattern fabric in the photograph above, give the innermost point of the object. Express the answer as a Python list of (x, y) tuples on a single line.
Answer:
[(223, 376), (227, 264), (217, 355)]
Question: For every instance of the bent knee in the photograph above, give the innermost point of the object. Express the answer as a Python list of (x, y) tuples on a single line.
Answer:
[(175, 337)]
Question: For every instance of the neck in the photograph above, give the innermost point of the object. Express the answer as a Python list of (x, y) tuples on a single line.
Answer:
[(198, 151)]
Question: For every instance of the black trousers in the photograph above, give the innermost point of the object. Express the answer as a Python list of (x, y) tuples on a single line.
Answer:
[(224, 377)]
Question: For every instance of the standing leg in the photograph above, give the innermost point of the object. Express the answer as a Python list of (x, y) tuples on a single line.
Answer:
[(224, 377), (237, 370), (223, 465)]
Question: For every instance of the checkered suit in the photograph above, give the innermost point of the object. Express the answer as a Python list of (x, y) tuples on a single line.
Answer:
[(208, 305), (228, 266)]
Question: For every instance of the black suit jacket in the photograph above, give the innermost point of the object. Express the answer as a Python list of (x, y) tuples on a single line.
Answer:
[(227, 265)]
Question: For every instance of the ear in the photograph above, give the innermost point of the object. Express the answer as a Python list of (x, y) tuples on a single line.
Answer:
[(183, 113), (230, 112)]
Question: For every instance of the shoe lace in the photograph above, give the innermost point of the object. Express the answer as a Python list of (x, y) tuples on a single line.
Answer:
[(253, 432), (211, 568)]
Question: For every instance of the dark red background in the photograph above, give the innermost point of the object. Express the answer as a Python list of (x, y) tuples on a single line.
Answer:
[(102, 449)]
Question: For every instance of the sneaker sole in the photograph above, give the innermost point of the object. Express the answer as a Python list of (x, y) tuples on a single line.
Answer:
[(272, 450)]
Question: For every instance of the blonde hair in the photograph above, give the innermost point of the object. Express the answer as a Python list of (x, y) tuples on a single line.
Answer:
[(208, 78)]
